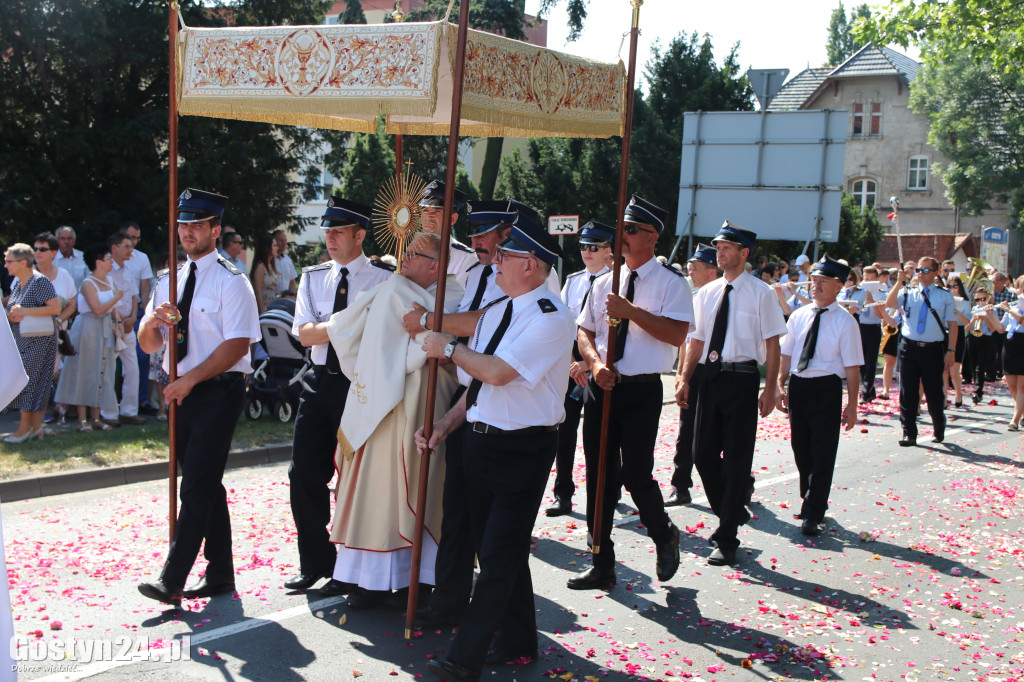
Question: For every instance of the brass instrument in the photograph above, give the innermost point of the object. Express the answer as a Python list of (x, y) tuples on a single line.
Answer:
[(887, 332), (978, 277)]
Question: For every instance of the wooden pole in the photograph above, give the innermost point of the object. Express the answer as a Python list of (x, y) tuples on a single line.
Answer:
[(446, 221), (172, 264), (606, 407)]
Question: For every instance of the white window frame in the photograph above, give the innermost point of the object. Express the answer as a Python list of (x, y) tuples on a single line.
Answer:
[(861, 197), (915, 181)]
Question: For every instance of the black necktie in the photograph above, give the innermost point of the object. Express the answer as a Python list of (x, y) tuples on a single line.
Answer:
[(480, 288), (340, 303), (476, 384), (811, 342), (717, 342), (623, 328), (184, 307)]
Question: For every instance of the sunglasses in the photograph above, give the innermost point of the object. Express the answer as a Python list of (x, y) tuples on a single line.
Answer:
[(41, 249), (633, 228), (923, 271), (592, 248), (979, 300)]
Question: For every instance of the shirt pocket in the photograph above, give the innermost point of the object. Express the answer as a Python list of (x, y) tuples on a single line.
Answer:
[(648, 301), (747, 327), (204, 306), (324, 309)]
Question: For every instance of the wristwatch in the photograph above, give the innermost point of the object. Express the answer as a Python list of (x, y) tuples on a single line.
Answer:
[(951, 350), (423, 320), (449, 350)]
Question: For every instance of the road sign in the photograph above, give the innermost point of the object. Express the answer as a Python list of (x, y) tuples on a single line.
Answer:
[(563, 224)]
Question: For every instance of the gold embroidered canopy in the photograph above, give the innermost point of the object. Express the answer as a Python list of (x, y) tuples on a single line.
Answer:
[(342, 76)]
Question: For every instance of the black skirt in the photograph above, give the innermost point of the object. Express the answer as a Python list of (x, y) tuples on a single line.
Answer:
[(1013, 355), (892, 345), (961, 345)]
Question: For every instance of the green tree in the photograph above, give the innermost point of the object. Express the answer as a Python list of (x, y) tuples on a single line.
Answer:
[(860, 233), (576, 10), (353, 13), (83, 87), (842, 43)]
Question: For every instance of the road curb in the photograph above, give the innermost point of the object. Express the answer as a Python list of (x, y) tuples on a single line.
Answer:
[(93, 479)]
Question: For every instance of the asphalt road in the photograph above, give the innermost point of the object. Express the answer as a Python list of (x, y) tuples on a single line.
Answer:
[(917, 578)]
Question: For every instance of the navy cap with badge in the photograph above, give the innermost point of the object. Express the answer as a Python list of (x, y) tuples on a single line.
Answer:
[(485, 216), (734, 234), (433, 196), (705, 254), (529, 236), (195, 205), (831, 268), (597, 233), (642, 211), (342, 213)]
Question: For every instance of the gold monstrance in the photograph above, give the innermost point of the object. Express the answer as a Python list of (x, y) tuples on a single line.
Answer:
[(396, 212)]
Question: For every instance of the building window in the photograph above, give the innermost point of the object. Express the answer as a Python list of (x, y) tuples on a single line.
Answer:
[(331, 20), (325, 187), (858, 118), (873, 113), (917, 177), (864, 193), (876, 118)]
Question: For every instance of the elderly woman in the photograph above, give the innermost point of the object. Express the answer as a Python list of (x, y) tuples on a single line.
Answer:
[(88, 376), (32, 296)]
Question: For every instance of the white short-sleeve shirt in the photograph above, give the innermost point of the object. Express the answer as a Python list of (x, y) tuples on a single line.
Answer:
[(223, 308), (538, 345), (460, 259), (75, 266), (285, 272), (139, 264), (838, 345), (660, 290), (754, 316), (314, 301), (125, 279), (576, 287)]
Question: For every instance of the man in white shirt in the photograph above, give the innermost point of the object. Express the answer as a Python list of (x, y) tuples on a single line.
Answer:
[(140, 266), (285, 267), (233, 247), (69, 258), (460, 257), (125, 279), (824, 342), (803, 264)]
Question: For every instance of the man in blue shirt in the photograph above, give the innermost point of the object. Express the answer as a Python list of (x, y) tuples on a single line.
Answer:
[(925, 347)]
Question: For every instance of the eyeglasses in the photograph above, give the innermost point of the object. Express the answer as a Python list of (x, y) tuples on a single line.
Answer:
[(502, 254), (633, 228), (414, 254), (108, 258), (923, 271), (124, 246), (592, 248), (41, 249)]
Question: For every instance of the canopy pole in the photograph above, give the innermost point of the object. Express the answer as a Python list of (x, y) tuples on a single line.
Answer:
[(442, 273), (606, 407), (172, 265)]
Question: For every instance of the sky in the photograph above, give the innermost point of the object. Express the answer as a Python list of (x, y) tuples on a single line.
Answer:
[(786, 34)]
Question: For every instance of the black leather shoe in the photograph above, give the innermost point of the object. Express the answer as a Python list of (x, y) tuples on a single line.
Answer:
[(809, 527), (668, 554), (429, 616), (447, 669), (938, 437), (908, 442), (722, 557), (334, 588), (678, 497), (561, 507), (750, 495), (594, 579), (207, 588), (161, 592), (498, 657), (360, 598), (304, 581)]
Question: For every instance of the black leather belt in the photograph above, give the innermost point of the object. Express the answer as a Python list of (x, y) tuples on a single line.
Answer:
[(638, 378), (923, 344), (480, 427), (746, 367)]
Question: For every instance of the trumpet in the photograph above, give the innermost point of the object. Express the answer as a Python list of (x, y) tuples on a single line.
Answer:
[(976, 327)]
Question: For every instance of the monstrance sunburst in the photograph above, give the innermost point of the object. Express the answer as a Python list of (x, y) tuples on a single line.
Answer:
[(396, 212)]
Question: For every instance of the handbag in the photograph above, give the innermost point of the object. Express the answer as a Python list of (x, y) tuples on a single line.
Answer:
[(64, 345), (35, 325)]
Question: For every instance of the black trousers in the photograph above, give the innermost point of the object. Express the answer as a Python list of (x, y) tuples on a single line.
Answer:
[(995, 367), (815, 417), (682, 473), (725, 429), (632, 434), (453, 568), (313, 444), (206, 423), (980, 348), (870, 339), (921, 366), (506, 476), (565, 455)]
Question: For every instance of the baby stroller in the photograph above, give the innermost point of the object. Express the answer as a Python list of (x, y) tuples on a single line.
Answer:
[(276, 382)]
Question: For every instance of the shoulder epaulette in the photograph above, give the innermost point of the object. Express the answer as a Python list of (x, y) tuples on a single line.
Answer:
[(495, 301), (228, 265), (472, 266), (575, 274), (546, 306), (315, 268), (677, 273), (382, 265), (462, 247), (162, 273)]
